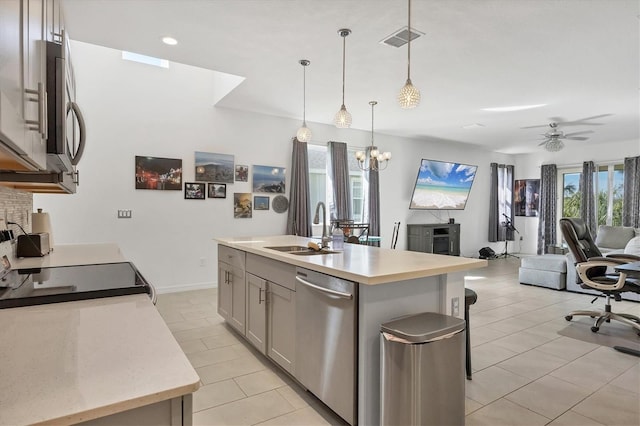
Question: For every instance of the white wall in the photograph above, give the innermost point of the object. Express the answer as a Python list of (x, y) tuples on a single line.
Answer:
[(133, 109), (574, 153)]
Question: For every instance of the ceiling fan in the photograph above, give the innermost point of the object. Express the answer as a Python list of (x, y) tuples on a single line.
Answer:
[(553, 138)]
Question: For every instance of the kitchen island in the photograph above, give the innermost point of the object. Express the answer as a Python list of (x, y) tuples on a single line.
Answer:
[(104, 361), (389, 284)]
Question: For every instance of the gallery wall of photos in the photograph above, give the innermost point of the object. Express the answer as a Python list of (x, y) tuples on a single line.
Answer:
[(213, 173)]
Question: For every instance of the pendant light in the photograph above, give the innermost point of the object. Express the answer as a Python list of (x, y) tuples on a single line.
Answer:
[(304, 134), (377, 160), (343, 118), (409, 96)]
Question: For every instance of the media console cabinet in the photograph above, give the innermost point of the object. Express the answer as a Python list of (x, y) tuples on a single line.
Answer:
[(437, 238)]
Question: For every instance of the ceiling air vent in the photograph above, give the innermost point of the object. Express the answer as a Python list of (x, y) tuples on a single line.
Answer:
[(401, 37)]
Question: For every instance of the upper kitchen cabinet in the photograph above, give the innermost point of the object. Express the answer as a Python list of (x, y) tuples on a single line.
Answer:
[(23, 106), (53, 21)]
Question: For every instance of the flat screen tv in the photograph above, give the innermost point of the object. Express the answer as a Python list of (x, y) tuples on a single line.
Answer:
[(441, 185)]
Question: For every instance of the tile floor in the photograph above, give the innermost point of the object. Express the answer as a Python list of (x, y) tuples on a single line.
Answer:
[(526, 370)]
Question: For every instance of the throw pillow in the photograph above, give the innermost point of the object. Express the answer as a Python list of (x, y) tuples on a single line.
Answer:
[(614, 237), (633, 246)]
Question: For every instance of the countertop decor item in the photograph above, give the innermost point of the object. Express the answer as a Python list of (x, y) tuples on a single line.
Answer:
[(280, 204), (377, 160), (409, 96), (304, 133), (343, 117)]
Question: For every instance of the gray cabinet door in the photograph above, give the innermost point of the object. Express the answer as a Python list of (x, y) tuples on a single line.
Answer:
[(281, 326), (257, 312)]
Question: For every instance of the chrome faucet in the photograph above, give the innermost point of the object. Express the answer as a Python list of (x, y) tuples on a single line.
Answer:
[(316, 220)]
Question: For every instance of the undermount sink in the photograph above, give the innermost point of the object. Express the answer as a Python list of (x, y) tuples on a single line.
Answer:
[(300, 250), (310, 252), (289, 249)]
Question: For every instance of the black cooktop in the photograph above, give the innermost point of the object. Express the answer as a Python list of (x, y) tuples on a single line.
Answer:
[(24, 287)]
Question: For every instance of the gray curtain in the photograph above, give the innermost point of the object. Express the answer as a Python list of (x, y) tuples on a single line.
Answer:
[(374, 198), (548, 198), (500, 202), (588, 203), (338, 166), (631, 202), (299, 215)]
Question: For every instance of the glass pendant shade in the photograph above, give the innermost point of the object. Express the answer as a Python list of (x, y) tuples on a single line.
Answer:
[(343, 118), (409, 96), (304, 133)]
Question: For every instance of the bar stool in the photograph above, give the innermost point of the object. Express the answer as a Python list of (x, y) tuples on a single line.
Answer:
[(470, 297)]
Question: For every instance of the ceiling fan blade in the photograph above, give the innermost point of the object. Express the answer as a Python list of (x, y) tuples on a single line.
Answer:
[(544, 142), (583, 132), (533, 127), (584, 121), (577, 138)]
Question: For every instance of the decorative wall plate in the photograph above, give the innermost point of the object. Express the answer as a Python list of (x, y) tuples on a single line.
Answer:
[(280, 204)]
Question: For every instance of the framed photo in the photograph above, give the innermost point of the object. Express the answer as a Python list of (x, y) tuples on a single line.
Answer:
[(260, 202), (194, 191), (268, 179), (212, 167), (217, 190), (526, 197), (242, 173), (158, 173), (242, 205)]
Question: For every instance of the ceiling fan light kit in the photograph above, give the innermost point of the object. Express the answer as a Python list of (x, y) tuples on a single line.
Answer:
[(409, 96), (343, 118), (554, 145), (304, 134)]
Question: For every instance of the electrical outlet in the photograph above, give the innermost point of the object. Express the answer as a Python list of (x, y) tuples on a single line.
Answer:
[(202, 261), (455, 306), (124, 214)]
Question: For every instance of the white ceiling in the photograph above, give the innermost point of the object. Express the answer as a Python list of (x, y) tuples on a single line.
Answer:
[(580, 57)]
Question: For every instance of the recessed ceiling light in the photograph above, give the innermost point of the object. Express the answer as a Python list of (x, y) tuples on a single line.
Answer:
[(170, 41), (513, 108)]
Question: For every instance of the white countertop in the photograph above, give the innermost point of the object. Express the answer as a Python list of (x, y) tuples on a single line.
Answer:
[(70, 362), (360, 263), (76, 361), (73, 254)]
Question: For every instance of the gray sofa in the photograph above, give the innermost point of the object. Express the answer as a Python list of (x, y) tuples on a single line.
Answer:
[(609, 239)]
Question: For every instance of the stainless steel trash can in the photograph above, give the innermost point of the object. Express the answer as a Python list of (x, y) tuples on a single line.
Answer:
[(422, 370)]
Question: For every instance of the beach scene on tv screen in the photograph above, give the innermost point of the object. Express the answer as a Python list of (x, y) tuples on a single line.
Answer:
[(442, 185)]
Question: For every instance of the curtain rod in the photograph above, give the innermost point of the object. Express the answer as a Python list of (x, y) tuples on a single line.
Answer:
[(597, 163)]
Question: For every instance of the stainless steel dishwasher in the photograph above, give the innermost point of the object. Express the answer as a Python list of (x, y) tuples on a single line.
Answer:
[(326, 339)]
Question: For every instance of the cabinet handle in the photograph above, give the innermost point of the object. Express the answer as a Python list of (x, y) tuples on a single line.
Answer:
[(260, 300), (75, 176), (39, 125), (229, 278)]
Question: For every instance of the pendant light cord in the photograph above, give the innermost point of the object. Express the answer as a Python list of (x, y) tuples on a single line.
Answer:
[(304, 94), (409, 44), (344, 47), (372, 105)]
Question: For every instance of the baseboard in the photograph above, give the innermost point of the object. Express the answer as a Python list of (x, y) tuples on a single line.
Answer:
[(186, 287)]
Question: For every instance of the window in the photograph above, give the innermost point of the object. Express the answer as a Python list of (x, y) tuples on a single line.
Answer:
[(609, 185), (320, 188)]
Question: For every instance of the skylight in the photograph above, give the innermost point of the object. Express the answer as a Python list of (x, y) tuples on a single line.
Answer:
[(143, 59)]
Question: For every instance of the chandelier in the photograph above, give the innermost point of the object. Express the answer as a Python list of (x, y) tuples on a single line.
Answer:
[(304, 133), (409, 96), (377, 160), (343, 117)]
